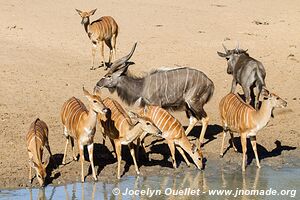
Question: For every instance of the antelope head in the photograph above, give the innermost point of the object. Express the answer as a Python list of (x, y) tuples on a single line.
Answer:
[(85, 15), (232, 57), (40, 170), (117, 70), (197, 155), (274, 99), (146, 124), (95, 101)]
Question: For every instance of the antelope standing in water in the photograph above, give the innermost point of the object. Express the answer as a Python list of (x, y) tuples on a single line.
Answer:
[(174, 89), (246, 71), (80, 124), (37, 139), (102, 30), (240, 117), (123, 129), (173, 133)]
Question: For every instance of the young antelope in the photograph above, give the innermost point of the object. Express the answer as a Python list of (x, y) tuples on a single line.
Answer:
[(37, 139), (124, 128), (173, 133)]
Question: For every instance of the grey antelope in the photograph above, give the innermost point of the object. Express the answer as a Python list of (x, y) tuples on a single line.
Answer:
[(123, 129), (37, 139), (80, 124), (173, 133), (246, 71), (104, 29), (174, 89), (239, 117)]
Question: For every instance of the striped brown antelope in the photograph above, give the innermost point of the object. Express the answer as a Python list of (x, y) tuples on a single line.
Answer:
[(124, 128), (80, 124), (37, 139), (237, 116), (104, 29), (173, 133)]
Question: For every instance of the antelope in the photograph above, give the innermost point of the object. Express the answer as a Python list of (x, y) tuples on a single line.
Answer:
[(246, 71), (124, 128), (237, 116), (80, 124), (173, 133), (102, 30), (37, 140), (174, 89)]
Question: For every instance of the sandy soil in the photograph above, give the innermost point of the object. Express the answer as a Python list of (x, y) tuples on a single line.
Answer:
[(45, 59)]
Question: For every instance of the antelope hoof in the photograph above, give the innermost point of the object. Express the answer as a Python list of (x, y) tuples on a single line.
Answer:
[(95, 178), (75, 158), (258, 166), (63, 162), (221, 155), (92, 68), (138, 172), (235, 150)]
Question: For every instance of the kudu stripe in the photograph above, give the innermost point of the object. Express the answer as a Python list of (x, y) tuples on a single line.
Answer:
[(235, 113), (71, 114)]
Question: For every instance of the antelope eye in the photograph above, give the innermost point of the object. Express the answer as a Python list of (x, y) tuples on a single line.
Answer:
[(277, 98), (108, 76), (39, 176), (227, 58), (95, 101), (148, 123)]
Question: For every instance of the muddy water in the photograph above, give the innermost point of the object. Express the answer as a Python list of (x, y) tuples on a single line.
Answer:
[(265, 183)]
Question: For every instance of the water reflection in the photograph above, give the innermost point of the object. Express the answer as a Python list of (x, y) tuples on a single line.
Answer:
[(252, 179)]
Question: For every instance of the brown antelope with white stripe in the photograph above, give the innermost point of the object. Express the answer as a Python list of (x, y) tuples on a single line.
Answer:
[(80, 124), (37, 139), (173, 133), (124, 128), (237, 116), (102, 30)]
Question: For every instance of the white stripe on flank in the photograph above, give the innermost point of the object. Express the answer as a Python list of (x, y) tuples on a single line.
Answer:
[(166, 88), (154, 113), (174, 121), (162, 129), (186, 79), (161, 119), (154, 119)]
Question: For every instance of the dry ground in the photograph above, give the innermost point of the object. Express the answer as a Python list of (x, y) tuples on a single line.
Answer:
[(45, 59)]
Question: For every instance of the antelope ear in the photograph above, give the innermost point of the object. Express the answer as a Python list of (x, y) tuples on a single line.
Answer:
[(97, 91), (78, 11), (92, 12), (265, 92), (32, 164), (87, 94), (221, 54), (194, 148), (133, 117)]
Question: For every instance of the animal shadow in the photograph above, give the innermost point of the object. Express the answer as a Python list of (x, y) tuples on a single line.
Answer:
[(102, 157), (261, 150), (54, 163), (211, 132)]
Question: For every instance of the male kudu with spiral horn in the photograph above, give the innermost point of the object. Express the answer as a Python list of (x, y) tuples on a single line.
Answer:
[(178, 88)]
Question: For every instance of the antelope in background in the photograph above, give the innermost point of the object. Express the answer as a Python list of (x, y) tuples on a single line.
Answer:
[(123, 129), (104, 29), (240, 117), (174, 89), (173, 133), (80, 124), (37, 139), (246, 71)]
